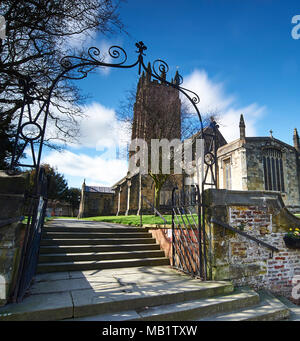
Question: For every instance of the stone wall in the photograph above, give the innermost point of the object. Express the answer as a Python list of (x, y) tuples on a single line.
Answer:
[(264, 216), (247, 172), (236, 154), (96, 204), (12, 231), (129, 189)]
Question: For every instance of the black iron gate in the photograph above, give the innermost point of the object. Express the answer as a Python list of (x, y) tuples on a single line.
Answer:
[(191, 240), (36, 209)]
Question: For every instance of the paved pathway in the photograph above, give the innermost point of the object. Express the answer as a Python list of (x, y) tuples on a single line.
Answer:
[(61, 295)]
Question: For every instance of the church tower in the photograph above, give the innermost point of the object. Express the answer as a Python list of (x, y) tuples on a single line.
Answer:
[(157, 110)]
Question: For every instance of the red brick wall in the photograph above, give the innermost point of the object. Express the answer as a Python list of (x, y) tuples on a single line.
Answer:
[(273, 272)]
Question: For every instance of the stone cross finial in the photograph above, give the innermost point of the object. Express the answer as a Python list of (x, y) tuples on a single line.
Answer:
[(242, 127), (296, 140)]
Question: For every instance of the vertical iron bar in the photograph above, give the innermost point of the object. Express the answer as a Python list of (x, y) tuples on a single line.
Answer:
[(141, 212), (194, 257), (178, 250), (173, 227), (185, 239), (199, 231), (203, 233)]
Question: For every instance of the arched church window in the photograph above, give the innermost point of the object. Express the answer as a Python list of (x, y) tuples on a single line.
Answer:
[(273, 170)]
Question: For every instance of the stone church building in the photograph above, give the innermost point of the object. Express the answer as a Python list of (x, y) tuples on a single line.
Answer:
[(262, 163), (95, 201), (248, 163)]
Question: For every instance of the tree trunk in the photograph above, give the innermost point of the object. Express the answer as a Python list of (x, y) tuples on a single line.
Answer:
[(157, 196)]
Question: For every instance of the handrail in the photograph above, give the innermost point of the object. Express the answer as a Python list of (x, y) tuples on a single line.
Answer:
[(154, 209), (244, 234)]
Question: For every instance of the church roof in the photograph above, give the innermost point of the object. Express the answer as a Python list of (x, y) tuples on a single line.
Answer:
[(269, 140), (98, 189), (207, 131)]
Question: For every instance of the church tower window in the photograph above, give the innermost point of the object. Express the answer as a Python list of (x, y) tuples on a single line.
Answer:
[(273, 170)]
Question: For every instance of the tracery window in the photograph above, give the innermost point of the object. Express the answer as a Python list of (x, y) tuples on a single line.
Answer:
[(273, 170)]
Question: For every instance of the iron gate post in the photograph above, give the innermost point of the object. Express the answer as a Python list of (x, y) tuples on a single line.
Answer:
[(173, 225), (200, 232)]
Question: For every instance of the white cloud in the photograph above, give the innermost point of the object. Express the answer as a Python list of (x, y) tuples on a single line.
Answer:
[(99, 131), (214, 99), (95, 169), (104, 46), (84, 39), (100, 128)]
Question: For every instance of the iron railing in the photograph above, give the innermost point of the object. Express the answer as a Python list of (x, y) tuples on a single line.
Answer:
[(190, 242), (31, 244), (244, 234)]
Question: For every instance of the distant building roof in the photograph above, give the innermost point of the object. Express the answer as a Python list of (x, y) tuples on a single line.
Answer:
[(98, 189)]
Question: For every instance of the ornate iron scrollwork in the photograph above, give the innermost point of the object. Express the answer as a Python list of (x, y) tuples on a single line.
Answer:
[(74, 67)]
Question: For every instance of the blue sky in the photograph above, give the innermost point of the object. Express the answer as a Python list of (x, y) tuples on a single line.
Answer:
[(239, 56)]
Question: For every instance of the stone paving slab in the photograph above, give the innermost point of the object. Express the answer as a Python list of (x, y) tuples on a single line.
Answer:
[(57, 296), (46, 307), (129, 315)]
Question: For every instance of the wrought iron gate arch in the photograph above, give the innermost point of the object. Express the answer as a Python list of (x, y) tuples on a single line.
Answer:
[(80, 66)]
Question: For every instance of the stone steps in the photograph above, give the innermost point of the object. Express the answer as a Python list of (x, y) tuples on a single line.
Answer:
[(101, 241), (140, 294), (102, 282), (268, 309), (98, 256), (293, 308), (93, 235), (92, 248), (191, 310), (83, 247), (88, 228), (134, 290), (242, 304), (100, 265)]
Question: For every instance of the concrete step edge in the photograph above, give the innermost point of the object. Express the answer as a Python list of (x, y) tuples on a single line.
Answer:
[(99, 235), (44, 258), (193, 310), (110, 248), (170, 310), (94, 229), (98, 265), (49, 242), (44, 313), (293, 308), (101, 253), (268, 309)]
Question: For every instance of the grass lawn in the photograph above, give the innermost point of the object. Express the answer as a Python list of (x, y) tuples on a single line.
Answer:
[(133, 220), (25, 220)]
